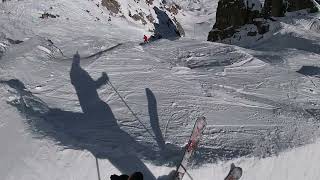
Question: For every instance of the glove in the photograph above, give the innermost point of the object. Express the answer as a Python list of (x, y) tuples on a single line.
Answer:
[(105, 77)]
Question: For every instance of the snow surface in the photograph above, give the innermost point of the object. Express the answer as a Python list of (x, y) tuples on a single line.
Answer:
[(262, 114)]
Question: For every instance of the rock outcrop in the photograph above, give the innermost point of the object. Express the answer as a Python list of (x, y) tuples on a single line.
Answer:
[(278, 8), (295, 5), (112, 5), (155, 15), (232, 14)]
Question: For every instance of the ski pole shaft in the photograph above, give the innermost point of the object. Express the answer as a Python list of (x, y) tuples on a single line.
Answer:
[(134, 114), (187, 172), (98, 169)]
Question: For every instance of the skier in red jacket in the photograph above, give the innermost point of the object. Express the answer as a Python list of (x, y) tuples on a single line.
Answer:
[(145, 39)]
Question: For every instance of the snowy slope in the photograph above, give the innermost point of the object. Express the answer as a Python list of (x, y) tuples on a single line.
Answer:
[(261, 113), (197, 17)]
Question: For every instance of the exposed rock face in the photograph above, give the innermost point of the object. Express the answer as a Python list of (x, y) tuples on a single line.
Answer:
[(232, 14), (173, 8), (149, 2), (162, 22), (295, 5), (138, 17), (166, 27), (111, 5), (278, 8), (150, 18), (266, 11)]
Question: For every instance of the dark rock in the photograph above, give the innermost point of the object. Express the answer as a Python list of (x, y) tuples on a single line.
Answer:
[(12, 41), (252, 33), (111, 5), (166, 26), (47, 15), (266, 11), (138, 17), (218, 35), (149, 2), (262, 25), (150, 18), (296, 5), (278, 8), (232, 14), (174, 8)]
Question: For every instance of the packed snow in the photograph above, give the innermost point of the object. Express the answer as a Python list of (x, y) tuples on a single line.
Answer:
[(260, 99)]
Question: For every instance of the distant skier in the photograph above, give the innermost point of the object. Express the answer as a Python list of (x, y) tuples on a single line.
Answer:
[(235, 173), (145, 39)]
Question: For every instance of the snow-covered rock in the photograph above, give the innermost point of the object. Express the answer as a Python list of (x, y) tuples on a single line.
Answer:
[(153, 15), (251, 17), (278, 8), (233, 14)]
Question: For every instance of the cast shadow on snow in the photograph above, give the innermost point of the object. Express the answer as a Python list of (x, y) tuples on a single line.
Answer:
[(165, 28), (283, 42), (154, 119), (309, 71), (96, 128)]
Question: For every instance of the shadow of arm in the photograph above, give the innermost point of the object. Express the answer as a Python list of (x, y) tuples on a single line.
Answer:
[(102, 80)]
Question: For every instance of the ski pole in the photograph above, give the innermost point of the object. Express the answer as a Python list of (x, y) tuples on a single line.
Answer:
[(134, 114), (187, 172), (98, 169)]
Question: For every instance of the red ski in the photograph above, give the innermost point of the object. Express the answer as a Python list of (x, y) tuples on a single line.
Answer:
[(193, 142)]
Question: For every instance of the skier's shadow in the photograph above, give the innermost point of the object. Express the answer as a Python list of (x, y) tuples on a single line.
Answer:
[(96, 129)]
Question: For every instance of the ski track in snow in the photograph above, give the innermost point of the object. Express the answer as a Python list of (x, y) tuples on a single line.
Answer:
[(261, 113)]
